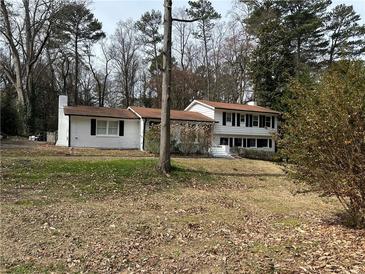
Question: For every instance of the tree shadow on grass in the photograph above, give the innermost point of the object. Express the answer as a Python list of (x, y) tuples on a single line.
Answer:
[(236, 174), (344, 219)]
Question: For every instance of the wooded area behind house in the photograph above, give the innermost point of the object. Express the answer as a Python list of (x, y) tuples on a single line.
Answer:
[(49, 48)]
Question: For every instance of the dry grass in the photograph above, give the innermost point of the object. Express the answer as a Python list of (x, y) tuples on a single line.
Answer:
[(101, 215)]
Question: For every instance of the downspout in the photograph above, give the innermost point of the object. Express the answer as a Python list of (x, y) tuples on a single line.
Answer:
[(144, 133), (69, 131)]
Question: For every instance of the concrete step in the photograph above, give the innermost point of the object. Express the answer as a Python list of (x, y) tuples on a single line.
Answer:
[(220, 152)]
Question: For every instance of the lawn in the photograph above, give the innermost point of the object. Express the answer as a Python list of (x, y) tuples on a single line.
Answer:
[(97, 211)]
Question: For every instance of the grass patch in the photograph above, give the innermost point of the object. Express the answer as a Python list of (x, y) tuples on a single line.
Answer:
[(81, 179), (290, 222), (82, 214), (28, 268)]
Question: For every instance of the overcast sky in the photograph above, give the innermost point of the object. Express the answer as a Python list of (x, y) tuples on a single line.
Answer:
[(109, 12)]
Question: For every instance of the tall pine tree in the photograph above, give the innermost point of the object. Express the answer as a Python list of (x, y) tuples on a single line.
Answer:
[(80, 27), (347, 36)]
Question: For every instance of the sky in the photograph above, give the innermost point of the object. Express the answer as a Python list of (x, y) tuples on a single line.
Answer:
[(109, 12)]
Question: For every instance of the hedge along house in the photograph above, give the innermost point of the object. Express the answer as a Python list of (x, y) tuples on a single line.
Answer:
[(238, 125), (102, 127)]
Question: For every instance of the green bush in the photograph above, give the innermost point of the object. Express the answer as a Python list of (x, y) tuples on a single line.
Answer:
[(257, 154), (324, 136)]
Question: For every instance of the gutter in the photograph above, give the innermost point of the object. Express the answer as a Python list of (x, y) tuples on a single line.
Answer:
[(99, 116), (144, 133), (69, 130)]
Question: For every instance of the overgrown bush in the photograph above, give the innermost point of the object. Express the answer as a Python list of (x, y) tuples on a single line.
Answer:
[(186, 138), (152, 140), (324, 136), (258, 154)]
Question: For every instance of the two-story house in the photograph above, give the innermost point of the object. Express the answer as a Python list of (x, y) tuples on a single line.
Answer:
[(234, 125), (237, 125)]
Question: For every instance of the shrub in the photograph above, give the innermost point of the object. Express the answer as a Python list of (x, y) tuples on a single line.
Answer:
[(324, 136), (258, 154), (186, 138), (152, 139)]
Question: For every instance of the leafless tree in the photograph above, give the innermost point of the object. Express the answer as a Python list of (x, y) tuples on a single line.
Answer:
[(183, 34), (101, 75), (26, 32), (124, 53)]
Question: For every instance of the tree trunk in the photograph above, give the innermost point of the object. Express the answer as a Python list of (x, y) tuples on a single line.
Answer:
[(76, 98), (206, 63), (165, 163)]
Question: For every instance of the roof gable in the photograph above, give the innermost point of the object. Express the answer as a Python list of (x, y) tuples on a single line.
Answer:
[(241, 107)]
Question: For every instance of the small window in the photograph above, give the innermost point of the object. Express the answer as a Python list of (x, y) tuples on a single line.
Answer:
[(242, 119), (224, 141), (113, 128), (229, 117), (101, 127), (262, 142), (255, 120), (267, 121), (251, 142), (237, 142)]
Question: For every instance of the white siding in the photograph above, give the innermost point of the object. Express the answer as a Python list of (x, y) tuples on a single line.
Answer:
[(62, 133), (228, 129), (81, 137), (197, 107)]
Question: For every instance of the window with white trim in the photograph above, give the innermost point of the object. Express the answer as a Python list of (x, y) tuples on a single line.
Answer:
[(229, 117), (242, 119), (112, 127), (255, 120), (267, 121), (262, 142), (104, 127), (251, 142)]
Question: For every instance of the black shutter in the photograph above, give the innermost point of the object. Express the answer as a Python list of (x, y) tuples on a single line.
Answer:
[(233, 119), (224, 118), (262, 121), (238, 119), (244, 142), (273, 121), (231, 142), (121, 128), (270, 143), (247, 122), (93, 127), (250, 120)]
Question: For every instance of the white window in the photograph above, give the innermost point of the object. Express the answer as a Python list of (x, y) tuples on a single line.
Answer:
[(113, 128), (242, 119), (267, 121), (106, 127), (255, 120), (229, 117), (101, 127)]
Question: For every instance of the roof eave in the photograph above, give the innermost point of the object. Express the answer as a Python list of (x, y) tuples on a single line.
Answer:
[(99, 116), (270, 112)]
